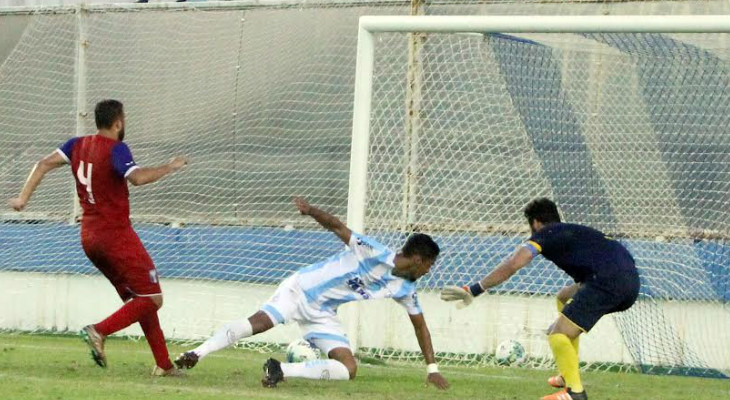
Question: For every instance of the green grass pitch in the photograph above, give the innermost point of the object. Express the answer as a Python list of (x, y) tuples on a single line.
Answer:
[(58, 367)]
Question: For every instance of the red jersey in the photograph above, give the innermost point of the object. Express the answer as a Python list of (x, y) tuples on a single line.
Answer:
[(100, 166)]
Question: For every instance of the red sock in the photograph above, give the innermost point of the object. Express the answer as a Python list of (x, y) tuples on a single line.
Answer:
[(130, 313), (156, 339)]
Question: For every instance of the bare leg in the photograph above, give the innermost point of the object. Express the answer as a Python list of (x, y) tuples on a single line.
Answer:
[(566, 294), (345, 356)]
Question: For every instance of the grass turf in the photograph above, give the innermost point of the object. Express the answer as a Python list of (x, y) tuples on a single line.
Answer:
[(59, 367)]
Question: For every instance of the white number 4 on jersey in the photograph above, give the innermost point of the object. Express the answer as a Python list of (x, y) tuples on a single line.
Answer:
[(84, 176)]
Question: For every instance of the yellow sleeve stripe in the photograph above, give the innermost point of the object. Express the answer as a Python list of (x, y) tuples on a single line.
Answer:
[(535, 245)]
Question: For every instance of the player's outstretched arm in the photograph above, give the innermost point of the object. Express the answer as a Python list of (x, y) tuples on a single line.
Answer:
[(147, 175), (465, 294), (424, 341), (327, 220), (41, 168)]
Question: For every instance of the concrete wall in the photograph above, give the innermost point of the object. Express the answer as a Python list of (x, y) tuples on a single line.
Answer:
[(196, 309)]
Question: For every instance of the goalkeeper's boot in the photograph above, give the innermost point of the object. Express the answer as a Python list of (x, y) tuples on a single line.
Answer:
[(172, 372), (95, 341), (567, 395), (187, 360), (556, 381), (272, 373)]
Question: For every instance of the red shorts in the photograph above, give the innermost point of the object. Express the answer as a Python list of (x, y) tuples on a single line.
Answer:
[(121, 257)]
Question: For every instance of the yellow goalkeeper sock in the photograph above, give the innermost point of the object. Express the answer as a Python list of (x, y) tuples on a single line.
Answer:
[(576, 345), (567, 360)]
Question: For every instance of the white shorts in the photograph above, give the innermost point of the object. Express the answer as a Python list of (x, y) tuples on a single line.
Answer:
[(321, 328)]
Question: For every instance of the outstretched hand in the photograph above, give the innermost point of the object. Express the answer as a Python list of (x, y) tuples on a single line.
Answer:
[(178, 162), (302, 205), (455, 293), (17, 204), (438, 380)]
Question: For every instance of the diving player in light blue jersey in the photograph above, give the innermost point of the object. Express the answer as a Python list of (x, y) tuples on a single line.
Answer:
[(310, 296)]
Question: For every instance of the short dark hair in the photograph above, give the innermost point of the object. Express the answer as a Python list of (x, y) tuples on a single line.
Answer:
[(543, 210), (107, 112), (423, 245)]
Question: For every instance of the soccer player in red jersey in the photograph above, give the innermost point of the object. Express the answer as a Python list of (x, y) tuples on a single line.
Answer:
[(101, 165)]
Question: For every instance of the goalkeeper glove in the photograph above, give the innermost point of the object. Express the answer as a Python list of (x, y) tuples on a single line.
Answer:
[(465, 294)]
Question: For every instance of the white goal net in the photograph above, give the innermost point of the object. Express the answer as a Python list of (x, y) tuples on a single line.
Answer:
[(626, 131)]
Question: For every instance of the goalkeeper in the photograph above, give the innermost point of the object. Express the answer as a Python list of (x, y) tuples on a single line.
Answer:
[(606, 281)]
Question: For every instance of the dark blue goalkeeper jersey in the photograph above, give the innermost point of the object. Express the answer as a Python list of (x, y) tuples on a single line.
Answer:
[(584, 253)]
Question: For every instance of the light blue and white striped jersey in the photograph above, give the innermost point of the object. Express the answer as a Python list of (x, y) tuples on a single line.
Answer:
[(361, 273)]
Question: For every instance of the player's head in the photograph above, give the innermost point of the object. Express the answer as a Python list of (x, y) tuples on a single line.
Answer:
[(542, 210), (109, 116), (422, 252)]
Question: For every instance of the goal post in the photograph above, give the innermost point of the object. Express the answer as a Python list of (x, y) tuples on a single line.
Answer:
[(581, 150), (481, 24), (370, 25), (547, 24)]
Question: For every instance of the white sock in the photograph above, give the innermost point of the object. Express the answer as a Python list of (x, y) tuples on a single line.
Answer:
[(226, 336), (316, 369)]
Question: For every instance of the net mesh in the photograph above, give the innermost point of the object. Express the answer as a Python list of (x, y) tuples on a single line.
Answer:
[(626, 132)]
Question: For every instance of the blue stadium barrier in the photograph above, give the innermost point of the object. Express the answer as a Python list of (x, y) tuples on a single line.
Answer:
[(682, 270)]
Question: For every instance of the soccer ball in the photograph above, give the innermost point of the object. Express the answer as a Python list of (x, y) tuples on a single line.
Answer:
[(301, 350), (510, 352)]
